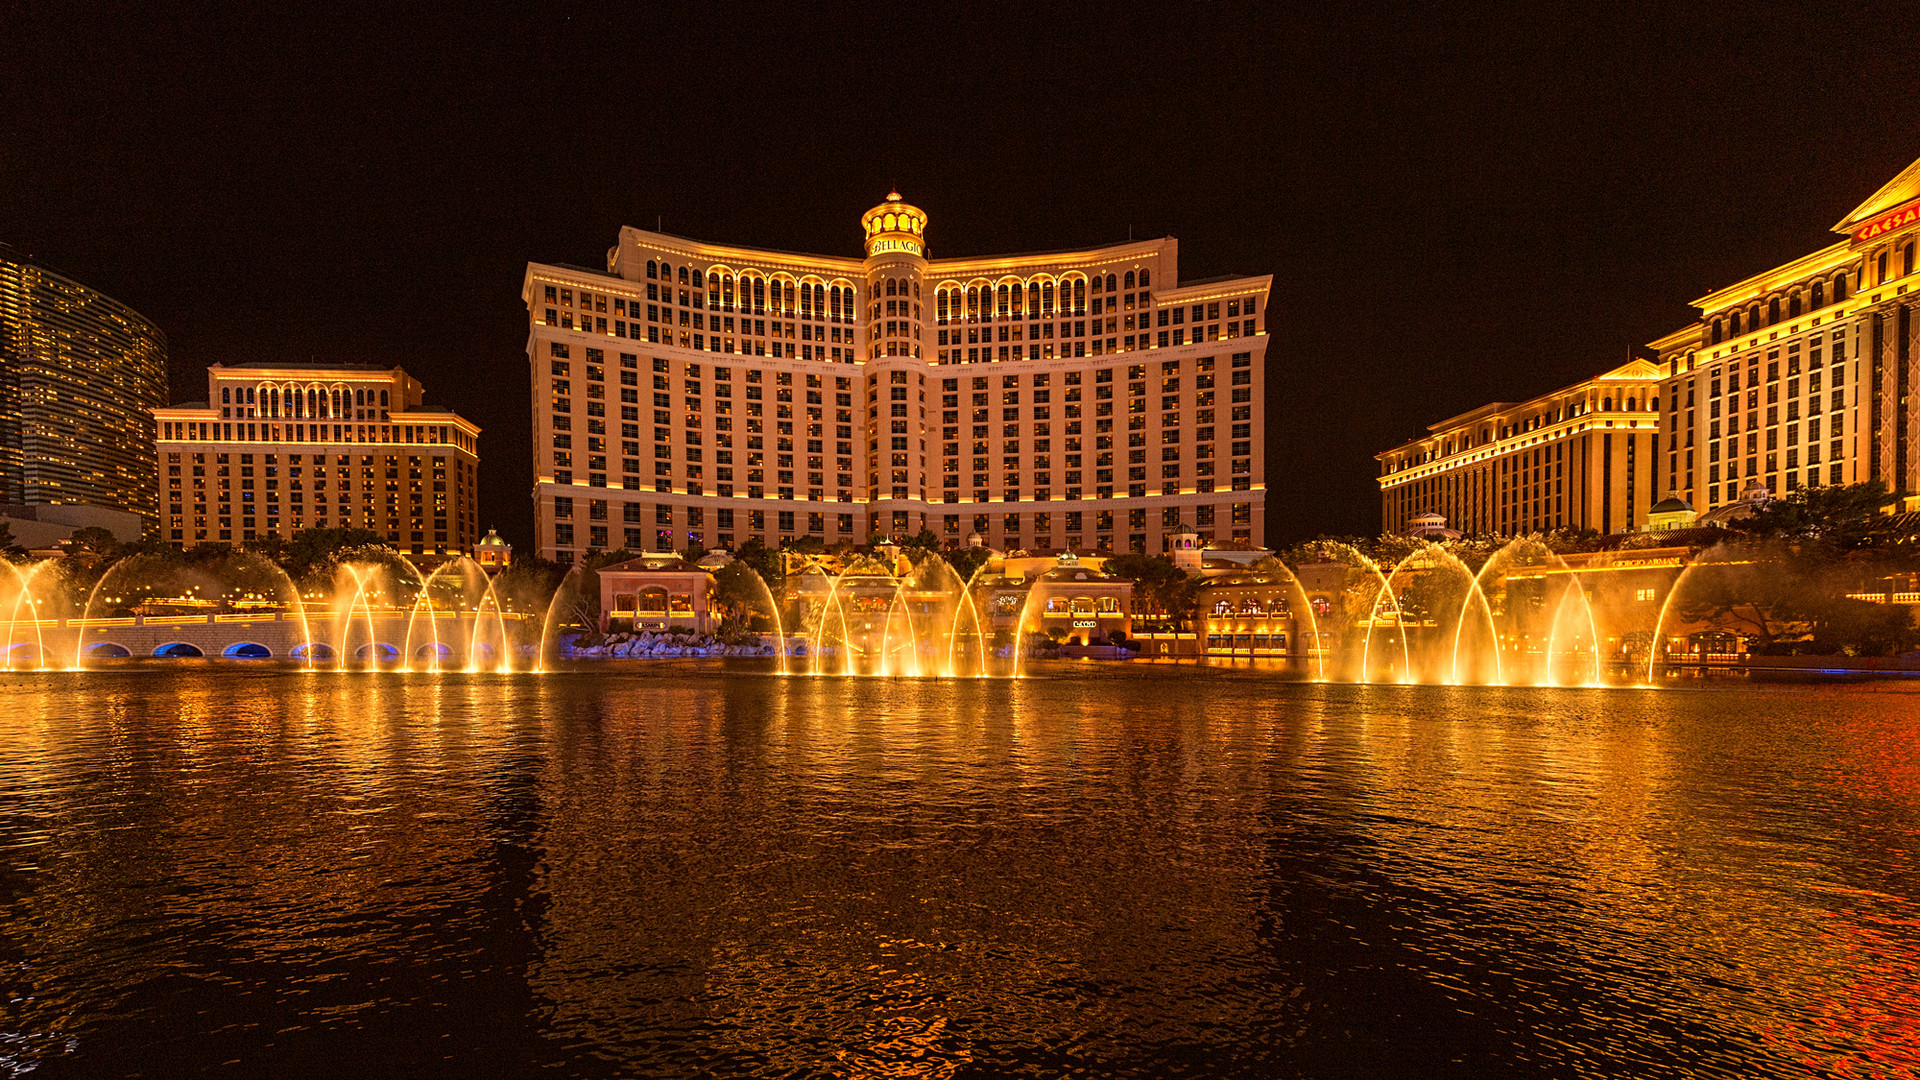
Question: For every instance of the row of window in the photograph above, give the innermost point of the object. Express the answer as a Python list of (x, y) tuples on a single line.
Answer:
[(241, 431), (634, 519), (1758, 315)]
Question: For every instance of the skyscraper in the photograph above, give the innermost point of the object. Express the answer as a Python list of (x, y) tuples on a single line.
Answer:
[(79, 372)]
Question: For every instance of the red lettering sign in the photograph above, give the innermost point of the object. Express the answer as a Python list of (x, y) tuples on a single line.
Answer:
[(1890, 221)]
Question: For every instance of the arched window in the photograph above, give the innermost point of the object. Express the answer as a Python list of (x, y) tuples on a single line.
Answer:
[(1096, 283), (1840, 286), (1733, 324), (666, 272), (1606, 404), (973, 302), (1110, 282), (1033, 299), (683, 275), (1718, 329), (759, 296), (1019, 307), (1000, 308), (819, 301), (1793, 306), (1129, 283), (1146, 278), (653, 268), (1753, 317), (1080, 296), (1046, 297), (1773, 311), (940, 305)]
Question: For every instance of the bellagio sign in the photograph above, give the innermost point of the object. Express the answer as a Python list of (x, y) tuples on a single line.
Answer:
[(1891, 221)]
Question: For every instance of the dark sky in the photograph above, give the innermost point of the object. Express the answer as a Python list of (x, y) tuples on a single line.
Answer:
[(1458, 202)]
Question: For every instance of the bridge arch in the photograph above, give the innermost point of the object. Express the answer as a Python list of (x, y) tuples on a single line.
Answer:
[(316, 650), (108, 650), (247, 650), (379, 650), (444, 650), (177, 650)]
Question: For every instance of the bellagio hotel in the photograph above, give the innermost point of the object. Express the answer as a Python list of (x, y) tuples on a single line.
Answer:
[(698, 394), (1797, 376)]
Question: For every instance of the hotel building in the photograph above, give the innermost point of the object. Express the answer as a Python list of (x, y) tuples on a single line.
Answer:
[(79, 372), (1799, 375), (1579, 458), (284, 447), (698, 394)]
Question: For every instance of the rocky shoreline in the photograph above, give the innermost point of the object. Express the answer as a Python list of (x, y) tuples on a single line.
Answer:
[(648, 645)]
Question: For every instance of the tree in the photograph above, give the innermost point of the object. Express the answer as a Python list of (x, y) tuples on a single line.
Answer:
[(313, 549), (269, 547), (924, 540), (1164, 586), (1791, 598), (529, 584), (1842, 518), (93, 544), (740, 596), (967, 560), (765, 561)]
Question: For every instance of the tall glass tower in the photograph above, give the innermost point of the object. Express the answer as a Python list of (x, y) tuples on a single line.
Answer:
[(79, 374)]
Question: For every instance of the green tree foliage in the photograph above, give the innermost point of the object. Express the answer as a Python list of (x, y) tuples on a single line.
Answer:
[(741, 599), (1166, 588), (966, 560), (1841, 518), (315, 551), (1784, 600), (764, 561), (94, 544)]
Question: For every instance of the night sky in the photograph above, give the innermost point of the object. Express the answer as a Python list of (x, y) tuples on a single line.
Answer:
[(1456, 208)]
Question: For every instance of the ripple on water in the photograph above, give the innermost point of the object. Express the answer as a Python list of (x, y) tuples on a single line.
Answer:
[(1103, 871)]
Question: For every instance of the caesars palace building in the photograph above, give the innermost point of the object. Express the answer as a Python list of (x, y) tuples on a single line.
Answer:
[(1800, 375), (698, 395)]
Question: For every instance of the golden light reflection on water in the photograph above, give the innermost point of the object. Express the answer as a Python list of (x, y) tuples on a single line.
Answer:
[(673, 872)]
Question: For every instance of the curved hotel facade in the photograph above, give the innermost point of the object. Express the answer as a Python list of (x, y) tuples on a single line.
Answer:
[(78, 373), (698, 394)]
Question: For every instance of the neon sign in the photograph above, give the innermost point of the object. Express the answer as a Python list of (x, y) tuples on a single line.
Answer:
[(908, 246), (1897, 218)]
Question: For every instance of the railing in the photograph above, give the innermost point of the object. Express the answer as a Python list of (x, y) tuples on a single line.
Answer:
[(242, 617)]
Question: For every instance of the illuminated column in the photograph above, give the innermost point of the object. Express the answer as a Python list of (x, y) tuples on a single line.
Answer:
[(896, 368)]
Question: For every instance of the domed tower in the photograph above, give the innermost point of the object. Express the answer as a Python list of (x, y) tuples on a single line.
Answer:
[(895, 270)]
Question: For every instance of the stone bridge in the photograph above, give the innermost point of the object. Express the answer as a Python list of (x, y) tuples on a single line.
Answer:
[(265, 636)]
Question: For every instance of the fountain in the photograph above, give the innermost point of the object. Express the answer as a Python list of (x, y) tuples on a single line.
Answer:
[(374, 610), (1448, 613)]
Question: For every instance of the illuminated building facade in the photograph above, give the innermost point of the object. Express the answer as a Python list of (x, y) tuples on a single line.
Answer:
[(1579, 458), (696, 395), (78, 373), (277, 448), (1798, 376)]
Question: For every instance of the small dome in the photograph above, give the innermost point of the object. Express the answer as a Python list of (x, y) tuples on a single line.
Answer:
[(1672, 504)]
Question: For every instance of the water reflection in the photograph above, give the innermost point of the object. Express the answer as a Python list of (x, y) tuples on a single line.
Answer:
[(1121, 872)]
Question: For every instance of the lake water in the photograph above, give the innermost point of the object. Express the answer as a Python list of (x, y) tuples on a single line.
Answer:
[(1098, 871)]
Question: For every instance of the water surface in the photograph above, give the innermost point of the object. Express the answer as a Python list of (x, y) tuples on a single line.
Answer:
[(1101, 871)]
